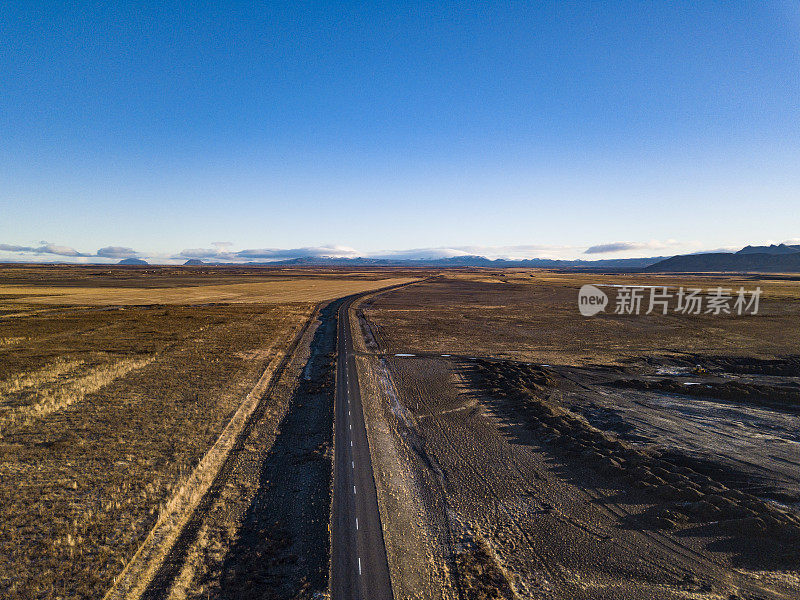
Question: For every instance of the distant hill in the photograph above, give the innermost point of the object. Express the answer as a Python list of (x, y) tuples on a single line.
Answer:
[(771, 249), (133, 261), (193, 262), (759, 262)]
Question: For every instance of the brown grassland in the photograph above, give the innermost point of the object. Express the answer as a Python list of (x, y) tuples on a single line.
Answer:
[(114, 383), (533, 316), (519, 449)]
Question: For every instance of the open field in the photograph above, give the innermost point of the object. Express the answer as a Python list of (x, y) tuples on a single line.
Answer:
[(167, 433), (165, 276), (524, 451), (534, 316), (96, 288), (118, 403)]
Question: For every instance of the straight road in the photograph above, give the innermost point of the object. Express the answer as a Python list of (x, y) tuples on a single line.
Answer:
[(359, 569)]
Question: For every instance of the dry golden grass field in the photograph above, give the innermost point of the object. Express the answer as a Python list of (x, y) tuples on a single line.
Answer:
[(271, 287), (114, 383)]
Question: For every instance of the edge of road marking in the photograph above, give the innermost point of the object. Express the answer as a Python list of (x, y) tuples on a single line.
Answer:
[(345, 336)]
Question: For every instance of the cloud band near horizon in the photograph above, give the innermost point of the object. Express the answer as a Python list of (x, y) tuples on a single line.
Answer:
[(223, 252)]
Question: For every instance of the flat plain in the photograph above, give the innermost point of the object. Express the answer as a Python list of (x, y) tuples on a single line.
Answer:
[(115, 386), (167, 433), (525, 451)]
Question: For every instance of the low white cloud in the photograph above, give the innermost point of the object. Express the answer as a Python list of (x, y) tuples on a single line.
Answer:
[(221, 252), (45, 248), (522, 252), (207, 253), (117, 252), (13, 248), (308, 252), (59, 250), (418, 254), (518, 252), (728, 249), (614, 247), (40, 253)]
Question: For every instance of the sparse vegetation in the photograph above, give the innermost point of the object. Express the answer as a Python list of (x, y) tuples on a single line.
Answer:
[(57, 386), (550, 455), (499, 433), (107, 410)]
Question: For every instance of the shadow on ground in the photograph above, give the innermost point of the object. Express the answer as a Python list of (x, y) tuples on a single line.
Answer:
[(282, 546), (682, 496)]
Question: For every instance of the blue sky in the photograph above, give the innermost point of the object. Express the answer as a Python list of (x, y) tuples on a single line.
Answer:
[(505, 129)]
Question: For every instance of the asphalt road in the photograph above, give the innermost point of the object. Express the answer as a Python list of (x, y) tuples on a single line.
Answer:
[(359, 569)]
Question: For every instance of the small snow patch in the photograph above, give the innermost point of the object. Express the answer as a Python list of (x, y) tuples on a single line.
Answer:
[(672, 371)]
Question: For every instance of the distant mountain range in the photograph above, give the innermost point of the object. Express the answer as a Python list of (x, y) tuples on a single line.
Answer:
[(767, 259), (452, 262), (775, 258), (771, 249), (745, 260)]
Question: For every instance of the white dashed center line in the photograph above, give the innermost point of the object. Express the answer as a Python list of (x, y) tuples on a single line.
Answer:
[(356, 522), (359, 565), (354, 489)]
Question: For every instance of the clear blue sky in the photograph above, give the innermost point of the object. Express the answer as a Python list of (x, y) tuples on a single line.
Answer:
[(497, 126)]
